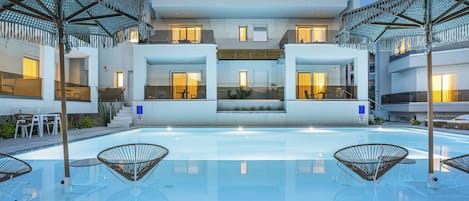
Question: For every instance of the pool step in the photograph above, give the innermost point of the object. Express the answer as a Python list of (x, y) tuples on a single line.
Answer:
[(122, 119)]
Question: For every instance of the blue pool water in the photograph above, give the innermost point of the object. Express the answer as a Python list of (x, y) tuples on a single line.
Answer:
[(284, 164)]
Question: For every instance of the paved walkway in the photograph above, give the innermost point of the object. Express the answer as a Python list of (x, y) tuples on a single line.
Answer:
[(11, 146)]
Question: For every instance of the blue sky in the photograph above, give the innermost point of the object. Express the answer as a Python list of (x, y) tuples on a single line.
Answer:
[(366, 2)]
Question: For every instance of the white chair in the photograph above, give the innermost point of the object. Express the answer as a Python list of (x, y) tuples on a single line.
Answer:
[(36, 120), (23, 121)]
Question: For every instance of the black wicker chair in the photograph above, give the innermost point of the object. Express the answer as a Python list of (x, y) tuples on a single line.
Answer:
[(11, 167), (133, 161), (371, 161), (458, 162)]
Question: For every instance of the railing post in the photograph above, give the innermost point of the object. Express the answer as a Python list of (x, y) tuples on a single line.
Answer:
[(110, 112)]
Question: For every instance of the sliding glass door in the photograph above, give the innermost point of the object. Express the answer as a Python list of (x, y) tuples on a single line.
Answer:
[(185, 85), (311, 85)]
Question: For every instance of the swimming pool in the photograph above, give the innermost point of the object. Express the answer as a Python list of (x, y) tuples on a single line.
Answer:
[(291, 164)]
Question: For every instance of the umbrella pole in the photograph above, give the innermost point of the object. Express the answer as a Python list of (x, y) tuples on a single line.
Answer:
[(432, 180), (66, 181)]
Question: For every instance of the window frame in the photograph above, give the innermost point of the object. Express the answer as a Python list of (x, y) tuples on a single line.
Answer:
[(245, 33)]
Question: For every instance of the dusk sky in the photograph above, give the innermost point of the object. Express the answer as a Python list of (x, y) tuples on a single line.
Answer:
[(366, 2)]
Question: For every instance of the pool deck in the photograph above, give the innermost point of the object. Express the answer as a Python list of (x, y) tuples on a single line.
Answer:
[(12, 146)]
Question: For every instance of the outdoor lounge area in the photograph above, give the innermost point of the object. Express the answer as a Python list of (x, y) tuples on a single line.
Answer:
[(459, 122)]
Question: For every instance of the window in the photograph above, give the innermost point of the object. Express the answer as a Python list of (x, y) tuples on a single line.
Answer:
[(243, 79), (311, 85), (443, 88), (186, 34), (402, 47), (186, 85), (120, 79), (134, 36), (260, 33), (243, 33), (311, 34), (30, 68)]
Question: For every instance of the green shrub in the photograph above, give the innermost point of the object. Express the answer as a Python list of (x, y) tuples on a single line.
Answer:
[(86, 122), (261, 108), (103, 110), (414, 122), (268, 108), (7, 128)]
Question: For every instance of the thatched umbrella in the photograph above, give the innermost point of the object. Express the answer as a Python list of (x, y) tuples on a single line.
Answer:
[(420, 24), (72, 23)]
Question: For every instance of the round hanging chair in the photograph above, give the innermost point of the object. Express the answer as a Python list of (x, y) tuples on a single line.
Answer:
[(12, 167), (371, 161), (133, 161), (459, 162)]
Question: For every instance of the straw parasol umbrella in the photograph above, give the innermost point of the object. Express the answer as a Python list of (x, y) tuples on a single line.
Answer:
[(419, 24), (72, 23)]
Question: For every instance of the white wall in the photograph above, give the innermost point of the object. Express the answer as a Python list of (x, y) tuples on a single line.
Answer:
[(12, 53), (260, 73)]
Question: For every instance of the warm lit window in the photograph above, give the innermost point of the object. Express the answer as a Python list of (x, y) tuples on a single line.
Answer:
[(259, 33), (309, 34), (243, 79), (186, 34), (30, 68), (402, 47), (134, 36), (443, 88), (243, 33), (120, 79)]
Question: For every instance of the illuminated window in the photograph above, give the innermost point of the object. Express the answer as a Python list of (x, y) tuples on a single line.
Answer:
[(186, 34), (134, 36), (310, 34), (443, 88), (243, 33), (30, 68), (120, 79), (243, 79), (402, 47)]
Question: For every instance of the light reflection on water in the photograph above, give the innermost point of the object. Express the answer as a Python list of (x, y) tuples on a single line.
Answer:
[(251, 164)]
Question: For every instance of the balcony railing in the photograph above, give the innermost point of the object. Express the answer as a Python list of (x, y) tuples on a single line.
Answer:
[(251, 93), (421, 96), (165, 37), (290, 37), (12, 84), (111, 94), (249, 54), (166, 92), (330, 93), (73, 92)]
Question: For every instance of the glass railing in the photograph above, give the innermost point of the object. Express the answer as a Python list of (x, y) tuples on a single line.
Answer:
[(165, 37), (330, 93), (73, 92), (111, 94), (421, 96), (251, 93), (12, 84), (290, 37), (166, 92)]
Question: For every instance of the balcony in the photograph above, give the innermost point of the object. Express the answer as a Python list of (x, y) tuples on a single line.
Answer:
[(73, 92), (15, 85), (251, 93), (290, 37), (421, 96), (249, 54), (165, 37), (167, 92), (337, 92)]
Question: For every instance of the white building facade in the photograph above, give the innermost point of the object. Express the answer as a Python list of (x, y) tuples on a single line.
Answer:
[(240, 64), (403, 83), (29, 79)]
